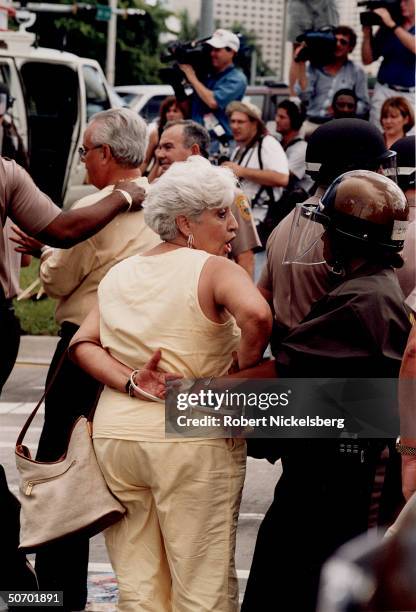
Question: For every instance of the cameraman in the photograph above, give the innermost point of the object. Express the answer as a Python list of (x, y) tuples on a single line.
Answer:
[(316, 85), (223, 85), (395, 42)]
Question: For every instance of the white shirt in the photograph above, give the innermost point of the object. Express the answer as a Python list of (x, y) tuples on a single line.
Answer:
[(273, 158)]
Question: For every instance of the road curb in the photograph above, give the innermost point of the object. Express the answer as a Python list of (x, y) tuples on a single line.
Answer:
[(36, 350)]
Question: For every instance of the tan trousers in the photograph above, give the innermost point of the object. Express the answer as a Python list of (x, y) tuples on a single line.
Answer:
[(174, 550)]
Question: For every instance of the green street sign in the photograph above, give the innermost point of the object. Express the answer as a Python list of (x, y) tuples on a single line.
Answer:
[(103, 13)]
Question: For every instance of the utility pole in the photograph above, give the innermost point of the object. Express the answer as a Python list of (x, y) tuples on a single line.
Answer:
[(206, 19), (110, 64), (103, 13)]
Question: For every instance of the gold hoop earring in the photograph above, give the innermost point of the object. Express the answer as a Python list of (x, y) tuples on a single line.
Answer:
[(190, 242)]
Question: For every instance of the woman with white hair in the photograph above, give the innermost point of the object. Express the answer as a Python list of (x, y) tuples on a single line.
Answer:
[(174, 550)]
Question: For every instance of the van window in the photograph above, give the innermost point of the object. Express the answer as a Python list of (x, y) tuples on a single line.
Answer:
[(51, 97), (5, 74), (96, 93), (151, 109)]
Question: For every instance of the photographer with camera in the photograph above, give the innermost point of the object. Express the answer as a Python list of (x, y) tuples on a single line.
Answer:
[(395, 43), (303, 15), (222, 85), (317, 83)]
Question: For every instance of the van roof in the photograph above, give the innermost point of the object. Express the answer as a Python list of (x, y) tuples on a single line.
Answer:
[(148, 89), (44, 53)]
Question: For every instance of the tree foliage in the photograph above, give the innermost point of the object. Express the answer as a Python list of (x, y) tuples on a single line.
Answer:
[(138, 47)]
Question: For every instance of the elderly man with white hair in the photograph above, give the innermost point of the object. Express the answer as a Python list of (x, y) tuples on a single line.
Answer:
[(174, 550), (114, 145)]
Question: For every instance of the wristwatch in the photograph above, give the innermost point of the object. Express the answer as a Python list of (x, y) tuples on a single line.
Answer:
[(405, 450)]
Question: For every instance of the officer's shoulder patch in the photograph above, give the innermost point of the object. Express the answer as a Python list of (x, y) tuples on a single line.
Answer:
[(243, 206)]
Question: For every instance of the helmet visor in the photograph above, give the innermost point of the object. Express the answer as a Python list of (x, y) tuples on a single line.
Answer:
[(305, 246), (388, 166)]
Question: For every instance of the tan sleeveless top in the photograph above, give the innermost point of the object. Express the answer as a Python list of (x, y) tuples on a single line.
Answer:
[(148, 303)]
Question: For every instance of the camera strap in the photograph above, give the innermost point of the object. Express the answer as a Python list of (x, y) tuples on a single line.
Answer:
[(268, 190)]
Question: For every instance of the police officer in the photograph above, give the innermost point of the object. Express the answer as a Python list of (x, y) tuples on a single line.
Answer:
[(358, 328), (335, 147)]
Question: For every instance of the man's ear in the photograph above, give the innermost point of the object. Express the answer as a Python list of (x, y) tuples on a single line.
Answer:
[(182, 223), (195, 149), (106, 152)]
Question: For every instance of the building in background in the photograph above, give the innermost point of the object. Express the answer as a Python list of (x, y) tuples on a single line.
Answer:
[(192, 6), (267, 19), (264, 17)]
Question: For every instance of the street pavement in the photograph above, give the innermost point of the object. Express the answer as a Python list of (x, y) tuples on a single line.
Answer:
[(20, 394)]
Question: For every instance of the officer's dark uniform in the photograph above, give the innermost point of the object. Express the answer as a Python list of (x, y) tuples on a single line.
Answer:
[(323, 498)]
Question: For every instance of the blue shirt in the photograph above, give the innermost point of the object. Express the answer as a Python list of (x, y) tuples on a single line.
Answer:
[(322, 86), (228, 85), (398, 65)]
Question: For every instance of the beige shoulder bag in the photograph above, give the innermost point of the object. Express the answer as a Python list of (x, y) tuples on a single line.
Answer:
[(63, 497)]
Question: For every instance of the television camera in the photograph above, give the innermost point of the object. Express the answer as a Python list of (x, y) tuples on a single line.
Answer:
[(369, 18), (319, 46)]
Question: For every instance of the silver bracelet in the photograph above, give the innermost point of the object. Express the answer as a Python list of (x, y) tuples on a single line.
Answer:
[(141, 391)]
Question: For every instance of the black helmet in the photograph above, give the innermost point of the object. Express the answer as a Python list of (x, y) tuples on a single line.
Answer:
[(342, 145), (366, 207), (406, 162)]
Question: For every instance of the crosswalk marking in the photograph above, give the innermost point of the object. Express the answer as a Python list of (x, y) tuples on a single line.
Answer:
[(19, 408)]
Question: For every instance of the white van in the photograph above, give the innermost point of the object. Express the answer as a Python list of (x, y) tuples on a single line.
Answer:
[(55, 94)]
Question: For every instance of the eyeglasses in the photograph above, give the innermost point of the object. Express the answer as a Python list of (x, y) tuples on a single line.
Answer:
[(343, 41), (84, 150)]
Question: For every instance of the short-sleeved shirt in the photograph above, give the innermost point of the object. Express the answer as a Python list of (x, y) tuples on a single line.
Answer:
[(273, 158), (295, 153), (247, 237), (26, 206), (322, 86), (73, 275), (359, 329), (398, 65), (295, 287), (228, 85)]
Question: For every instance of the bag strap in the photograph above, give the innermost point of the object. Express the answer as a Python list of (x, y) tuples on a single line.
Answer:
[(38, 405), (45, 393), (268, 190)]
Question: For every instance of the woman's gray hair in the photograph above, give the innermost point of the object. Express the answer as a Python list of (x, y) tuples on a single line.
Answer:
[(187, 188), (124, 131)]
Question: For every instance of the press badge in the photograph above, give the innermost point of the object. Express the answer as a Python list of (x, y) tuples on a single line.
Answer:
[(212, 124)]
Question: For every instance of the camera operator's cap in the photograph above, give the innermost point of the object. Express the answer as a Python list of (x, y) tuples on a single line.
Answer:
[(248, 108), (224, 38)]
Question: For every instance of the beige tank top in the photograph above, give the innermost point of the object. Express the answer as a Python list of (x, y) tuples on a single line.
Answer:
[(148, 303)]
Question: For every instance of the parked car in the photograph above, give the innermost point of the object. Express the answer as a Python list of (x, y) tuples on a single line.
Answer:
[(55, 95), (146, 99)]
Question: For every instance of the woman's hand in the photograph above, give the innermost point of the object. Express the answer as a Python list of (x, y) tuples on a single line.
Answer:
[(152, 380)]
